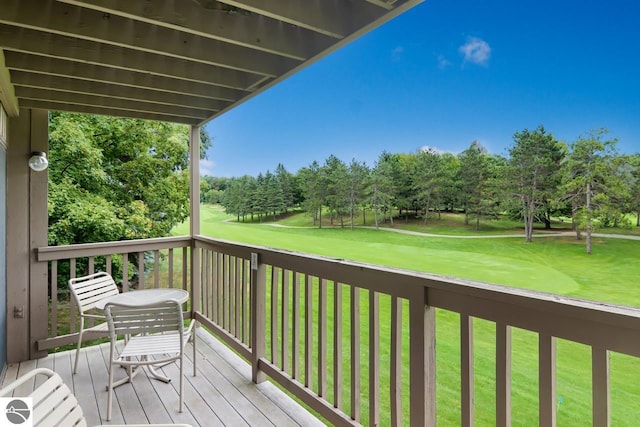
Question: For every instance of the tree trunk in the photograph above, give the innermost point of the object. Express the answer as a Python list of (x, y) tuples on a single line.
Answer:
[(320, 217), (478, 223), (375, 216), (352, 218), (426, 213)]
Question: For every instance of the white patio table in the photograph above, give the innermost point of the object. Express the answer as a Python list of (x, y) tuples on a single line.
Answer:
[(145, 296)]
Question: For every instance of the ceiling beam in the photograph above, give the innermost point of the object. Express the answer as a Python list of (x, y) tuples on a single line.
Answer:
[(334, 18), (94, 109), (110, 103), (34, 80), (56, 46), (79, 70), (249, 30), (86, 24)]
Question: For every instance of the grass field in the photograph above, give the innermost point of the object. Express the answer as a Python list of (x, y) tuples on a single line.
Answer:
[(551, 264)]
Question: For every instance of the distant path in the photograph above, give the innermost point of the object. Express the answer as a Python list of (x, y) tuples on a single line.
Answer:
[(451, 236)]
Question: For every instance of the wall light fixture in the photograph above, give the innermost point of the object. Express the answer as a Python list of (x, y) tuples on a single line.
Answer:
[(38, 161)]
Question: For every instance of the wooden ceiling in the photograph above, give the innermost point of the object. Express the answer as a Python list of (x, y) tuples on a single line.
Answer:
[(184, 61)]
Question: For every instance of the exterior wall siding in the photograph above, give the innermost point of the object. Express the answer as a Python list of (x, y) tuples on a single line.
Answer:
[(3, 238)]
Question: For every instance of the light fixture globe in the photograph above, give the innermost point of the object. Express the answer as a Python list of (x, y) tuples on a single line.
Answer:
[(38, 161)]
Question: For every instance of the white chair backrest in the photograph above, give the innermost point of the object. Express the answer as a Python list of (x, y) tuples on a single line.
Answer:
[(53, 402), (165, 316), (88, 290)]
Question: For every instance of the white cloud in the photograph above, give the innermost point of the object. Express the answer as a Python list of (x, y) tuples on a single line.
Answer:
[(207, 167), (435, 150), (443, 62), (396, 53), (476, 50)]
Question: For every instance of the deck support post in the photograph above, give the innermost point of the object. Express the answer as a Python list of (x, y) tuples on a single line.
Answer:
[(422, 336), (258, 317)]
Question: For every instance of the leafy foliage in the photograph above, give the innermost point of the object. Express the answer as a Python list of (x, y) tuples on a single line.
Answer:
[(113, 179)]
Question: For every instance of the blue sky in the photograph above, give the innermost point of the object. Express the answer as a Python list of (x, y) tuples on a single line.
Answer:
[(442, 75)]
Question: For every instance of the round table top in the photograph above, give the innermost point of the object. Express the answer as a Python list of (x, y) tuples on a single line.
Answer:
[(145, 296)]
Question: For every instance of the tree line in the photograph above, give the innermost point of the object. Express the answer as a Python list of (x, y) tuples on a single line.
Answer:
[(587, 181)]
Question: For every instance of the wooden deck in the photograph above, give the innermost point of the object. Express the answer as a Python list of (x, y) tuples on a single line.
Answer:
[(221, 394)]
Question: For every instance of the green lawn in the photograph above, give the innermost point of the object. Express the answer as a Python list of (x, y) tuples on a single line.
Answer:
[(552, 264)]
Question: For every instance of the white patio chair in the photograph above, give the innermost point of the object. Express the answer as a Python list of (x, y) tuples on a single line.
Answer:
[(87, 291), (54, 404), (157, 337)]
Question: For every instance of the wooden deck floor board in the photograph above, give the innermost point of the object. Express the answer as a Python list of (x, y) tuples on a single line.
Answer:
[(232, 383), (221, 394)]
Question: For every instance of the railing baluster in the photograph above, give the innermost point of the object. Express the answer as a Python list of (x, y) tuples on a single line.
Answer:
[(170, 268), (54, 298), (355, 353), (216, 292), (337, 345), (374, 358), (395, 376), (466, 369), (107, 261), (600, 384), (225, 291), (72, 305), (206, 282), (232, 295), (185, 268), (322, 338), (274, 314), (503, 375), (141, 270), (308, 332), (238, 293), (285, 320), (547, 380), (245, 303), (125, 272), (195, 266), (296, 327), (156, 269), (91, 265)]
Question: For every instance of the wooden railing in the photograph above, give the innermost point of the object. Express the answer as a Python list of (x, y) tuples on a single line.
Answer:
[(357, 343)]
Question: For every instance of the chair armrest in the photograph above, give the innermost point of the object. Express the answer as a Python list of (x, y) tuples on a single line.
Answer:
[(6, 391), (93, 316)]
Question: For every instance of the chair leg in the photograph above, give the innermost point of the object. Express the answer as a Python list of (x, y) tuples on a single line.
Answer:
[(75, 364), (193, 343), (110, 384), (181, 382), (110, 392)]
